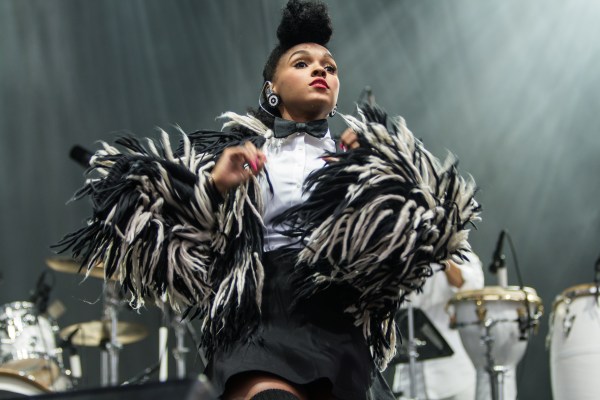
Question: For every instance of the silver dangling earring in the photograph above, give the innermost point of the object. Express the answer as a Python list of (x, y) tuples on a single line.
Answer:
[(333, 112), (272, 98)]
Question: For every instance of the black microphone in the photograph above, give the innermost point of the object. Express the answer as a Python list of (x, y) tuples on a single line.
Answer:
[(74, 360), (81, 156), (41, 294), (498, 257)]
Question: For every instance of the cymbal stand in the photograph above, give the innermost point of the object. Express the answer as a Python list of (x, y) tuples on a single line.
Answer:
[(110, 347), (412, 351), (163, 345), (180, 351)]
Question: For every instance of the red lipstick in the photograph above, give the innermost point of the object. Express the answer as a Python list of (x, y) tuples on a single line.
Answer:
[(320, 83)]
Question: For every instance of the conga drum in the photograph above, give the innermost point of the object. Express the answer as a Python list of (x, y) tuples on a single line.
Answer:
[(575, 344), (494, 324), (506, 314)]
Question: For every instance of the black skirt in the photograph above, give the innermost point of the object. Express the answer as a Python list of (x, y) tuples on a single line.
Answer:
[(314, 341)]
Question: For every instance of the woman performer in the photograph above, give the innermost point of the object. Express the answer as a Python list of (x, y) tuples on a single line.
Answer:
[(295, 263)]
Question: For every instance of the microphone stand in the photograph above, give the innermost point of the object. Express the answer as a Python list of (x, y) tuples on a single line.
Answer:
[(495, 372), (498, 266), (502, 275)]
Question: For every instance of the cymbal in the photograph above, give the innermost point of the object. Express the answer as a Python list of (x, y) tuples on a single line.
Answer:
[(71, 266), (94, 333)]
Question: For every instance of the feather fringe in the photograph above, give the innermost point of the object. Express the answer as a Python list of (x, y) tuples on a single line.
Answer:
[(160, 228), (376, 218)]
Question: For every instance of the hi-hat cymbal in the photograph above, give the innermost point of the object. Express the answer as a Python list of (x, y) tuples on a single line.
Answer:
[(71, 266), (94, 333)]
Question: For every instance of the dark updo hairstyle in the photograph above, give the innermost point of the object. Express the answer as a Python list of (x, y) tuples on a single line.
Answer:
[(301, 22)]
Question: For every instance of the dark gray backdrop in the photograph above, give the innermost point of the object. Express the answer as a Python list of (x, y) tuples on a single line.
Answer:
[(509, 86)]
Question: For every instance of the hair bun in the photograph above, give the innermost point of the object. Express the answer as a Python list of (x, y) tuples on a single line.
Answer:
[(304, 22)]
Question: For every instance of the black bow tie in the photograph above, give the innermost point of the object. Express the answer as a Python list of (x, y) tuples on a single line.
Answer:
[(284, 128)]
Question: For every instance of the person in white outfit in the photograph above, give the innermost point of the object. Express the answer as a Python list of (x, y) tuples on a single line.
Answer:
[(453, 377)]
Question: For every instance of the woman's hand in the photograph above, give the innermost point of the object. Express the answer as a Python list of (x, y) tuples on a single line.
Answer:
[(350, 139), (236, 165)]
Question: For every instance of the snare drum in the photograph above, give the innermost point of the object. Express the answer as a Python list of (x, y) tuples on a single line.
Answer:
[(504, 312), (27, 343), (575, 344)]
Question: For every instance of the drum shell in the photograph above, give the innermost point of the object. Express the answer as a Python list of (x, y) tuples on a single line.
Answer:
[(575, 344), (502, 308), (14, 383), (28, 344)]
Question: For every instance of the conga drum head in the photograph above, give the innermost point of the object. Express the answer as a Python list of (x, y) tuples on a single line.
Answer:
[(571, 293), (498, 293)]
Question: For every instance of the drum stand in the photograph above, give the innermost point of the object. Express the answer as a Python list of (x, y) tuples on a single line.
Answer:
[(496, 372), (109, 361)]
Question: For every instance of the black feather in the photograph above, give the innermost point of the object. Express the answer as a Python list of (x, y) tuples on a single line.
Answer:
[(375, 219)]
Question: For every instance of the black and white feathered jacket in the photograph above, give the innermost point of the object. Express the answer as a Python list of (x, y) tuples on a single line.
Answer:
[(375, 219)]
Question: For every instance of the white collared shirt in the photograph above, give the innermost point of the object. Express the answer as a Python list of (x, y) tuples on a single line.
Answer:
[(289, 162)]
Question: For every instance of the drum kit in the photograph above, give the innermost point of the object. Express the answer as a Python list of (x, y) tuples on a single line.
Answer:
[(32, 345), (31, 362)]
